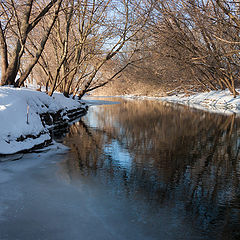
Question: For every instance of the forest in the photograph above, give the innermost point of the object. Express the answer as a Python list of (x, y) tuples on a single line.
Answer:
[(79, 46)]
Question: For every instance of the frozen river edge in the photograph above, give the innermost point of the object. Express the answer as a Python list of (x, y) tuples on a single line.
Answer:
[(28, 117)]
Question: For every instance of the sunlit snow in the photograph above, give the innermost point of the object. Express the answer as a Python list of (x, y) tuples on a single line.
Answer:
[(15, 103)]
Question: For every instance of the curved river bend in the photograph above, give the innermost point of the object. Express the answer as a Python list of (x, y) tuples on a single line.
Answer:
[(135, 170)]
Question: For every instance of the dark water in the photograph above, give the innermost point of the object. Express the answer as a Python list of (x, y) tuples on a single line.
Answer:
[(158, 171), (138, 170)]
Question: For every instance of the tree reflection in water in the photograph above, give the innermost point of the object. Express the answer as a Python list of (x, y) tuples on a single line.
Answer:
[(164, 153)]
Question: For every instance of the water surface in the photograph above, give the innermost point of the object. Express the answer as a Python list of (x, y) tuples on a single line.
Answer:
[(141, 170), (176, 169)]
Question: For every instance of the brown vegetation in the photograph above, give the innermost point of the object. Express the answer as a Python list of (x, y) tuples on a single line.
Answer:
[(147, 47), (187, 45)]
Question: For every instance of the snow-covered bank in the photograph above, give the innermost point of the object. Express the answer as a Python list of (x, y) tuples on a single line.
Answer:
[(214, 101), (21, 124)]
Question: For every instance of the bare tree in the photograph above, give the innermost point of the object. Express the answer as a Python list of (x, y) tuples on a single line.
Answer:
[(87, 36), (192, 41), (18, 19)]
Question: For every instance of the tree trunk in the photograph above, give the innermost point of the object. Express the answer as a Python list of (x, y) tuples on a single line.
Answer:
[(10, 71), (3, 52)]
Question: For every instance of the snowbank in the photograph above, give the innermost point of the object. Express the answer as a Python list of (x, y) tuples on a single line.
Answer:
[(215, 101), (16, 132)]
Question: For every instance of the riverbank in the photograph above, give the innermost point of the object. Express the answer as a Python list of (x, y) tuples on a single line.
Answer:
[(27, 118), (213, 101)]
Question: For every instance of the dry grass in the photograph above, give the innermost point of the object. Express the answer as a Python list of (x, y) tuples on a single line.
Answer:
[(146, 87)]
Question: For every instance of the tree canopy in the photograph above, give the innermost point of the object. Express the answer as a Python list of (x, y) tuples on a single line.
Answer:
[(77, 46)]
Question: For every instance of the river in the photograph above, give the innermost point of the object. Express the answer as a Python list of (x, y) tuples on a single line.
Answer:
[(141, 170)]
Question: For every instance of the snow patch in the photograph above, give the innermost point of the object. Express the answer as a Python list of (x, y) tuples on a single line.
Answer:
[(15, 105), (213, 101)]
